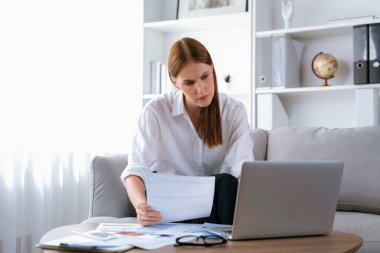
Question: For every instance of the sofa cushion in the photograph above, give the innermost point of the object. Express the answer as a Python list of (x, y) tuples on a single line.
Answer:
[(107, 219), (365, 225), (359, 148), (260, 138), (107, 190)]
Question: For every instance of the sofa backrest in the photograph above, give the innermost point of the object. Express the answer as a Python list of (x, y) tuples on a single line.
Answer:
[(359, 148), (109, 197)]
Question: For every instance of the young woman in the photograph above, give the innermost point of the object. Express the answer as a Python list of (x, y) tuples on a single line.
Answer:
[(193, 131)]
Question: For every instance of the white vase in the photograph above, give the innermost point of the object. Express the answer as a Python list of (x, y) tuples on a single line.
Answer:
[(287, 12)]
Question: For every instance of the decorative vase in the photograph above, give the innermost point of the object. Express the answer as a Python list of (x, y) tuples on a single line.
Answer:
[(287, 12)]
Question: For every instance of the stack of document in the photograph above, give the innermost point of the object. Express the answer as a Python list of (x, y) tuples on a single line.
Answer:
[(119, 237)]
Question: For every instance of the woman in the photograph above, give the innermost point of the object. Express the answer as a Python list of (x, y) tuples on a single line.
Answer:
[(193, 131)]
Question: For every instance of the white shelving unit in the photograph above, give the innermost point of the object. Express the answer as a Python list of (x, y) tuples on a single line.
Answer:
[(228, 37), (342, 104), (231, 39)]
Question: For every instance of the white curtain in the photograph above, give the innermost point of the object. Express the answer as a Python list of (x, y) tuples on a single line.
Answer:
[(69, 90), (40, 191)]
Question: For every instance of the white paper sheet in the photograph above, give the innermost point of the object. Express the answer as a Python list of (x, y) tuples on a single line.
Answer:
[(166, 229), (180, 198), (84, 243), (121, 243)]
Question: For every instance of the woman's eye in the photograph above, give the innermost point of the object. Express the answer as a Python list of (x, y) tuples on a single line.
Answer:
[(189, 83), (204, 77)]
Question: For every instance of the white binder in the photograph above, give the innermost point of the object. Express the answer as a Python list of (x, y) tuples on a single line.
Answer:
[(286, 55), (264, 63)]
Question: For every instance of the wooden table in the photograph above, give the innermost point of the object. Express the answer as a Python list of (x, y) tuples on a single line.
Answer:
[(335, 242)]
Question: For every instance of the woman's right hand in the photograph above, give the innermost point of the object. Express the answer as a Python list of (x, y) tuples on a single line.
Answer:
[(146, 215)]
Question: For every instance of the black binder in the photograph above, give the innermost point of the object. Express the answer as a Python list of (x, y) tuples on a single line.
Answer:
[(361, 54), (374, 53)]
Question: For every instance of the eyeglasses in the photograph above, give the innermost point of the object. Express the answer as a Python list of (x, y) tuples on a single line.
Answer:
[(206, 241)]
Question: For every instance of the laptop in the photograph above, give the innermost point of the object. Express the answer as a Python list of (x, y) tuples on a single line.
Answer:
[(284, 199)]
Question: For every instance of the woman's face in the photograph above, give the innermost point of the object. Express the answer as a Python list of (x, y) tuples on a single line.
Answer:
[(196, 80)]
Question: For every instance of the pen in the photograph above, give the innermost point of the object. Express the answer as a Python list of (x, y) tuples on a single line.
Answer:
[(77, 246)]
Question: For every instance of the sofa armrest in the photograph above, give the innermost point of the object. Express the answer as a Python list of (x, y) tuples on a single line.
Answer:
[(260, 142), (108, 195)]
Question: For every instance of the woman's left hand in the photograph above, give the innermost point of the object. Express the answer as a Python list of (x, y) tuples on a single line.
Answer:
[(146, 215)]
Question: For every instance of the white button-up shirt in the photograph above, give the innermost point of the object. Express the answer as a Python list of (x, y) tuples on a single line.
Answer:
[(167, 142)]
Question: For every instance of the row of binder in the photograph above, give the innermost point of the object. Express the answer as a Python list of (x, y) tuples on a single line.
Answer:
[(366, 54), (278, 62)]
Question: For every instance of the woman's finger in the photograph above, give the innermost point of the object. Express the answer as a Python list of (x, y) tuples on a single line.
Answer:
[(149, 215)]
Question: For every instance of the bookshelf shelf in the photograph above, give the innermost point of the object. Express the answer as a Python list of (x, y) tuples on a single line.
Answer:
[(316, 89), (200, 23), (318, 31)]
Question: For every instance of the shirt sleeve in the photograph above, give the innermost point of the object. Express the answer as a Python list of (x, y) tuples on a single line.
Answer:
[(145, 143), (240, 144)]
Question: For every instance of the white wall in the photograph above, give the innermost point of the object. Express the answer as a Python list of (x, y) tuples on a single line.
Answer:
[(70, 70)]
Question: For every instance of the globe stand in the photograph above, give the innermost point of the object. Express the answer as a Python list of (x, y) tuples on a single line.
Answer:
[(325, 83)]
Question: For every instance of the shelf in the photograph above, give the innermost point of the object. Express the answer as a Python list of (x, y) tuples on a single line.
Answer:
[(316, 89), (150, 96), (200, 23), (319, 31)]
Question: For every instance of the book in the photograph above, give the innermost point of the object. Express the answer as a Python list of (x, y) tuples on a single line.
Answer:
[(155, 77), (164, 79)]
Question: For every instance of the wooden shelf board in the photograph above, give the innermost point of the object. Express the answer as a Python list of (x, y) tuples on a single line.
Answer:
[(316, 89), (319, 31), (200, 23)]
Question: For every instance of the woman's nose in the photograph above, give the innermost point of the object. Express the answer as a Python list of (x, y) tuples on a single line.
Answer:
[(200, 86)]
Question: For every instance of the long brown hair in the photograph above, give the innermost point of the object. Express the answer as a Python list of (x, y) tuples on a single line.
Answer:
[(181, 52)]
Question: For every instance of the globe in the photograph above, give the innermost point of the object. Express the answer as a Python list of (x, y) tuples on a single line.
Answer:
[(324, 66)]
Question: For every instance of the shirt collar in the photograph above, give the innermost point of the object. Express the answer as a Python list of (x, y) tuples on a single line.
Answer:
[(178, 106)]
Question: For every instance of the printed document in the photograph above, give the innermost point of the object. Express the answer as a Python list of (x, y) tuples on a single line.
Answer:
[(164, 229), (180, 198), (119, 244)]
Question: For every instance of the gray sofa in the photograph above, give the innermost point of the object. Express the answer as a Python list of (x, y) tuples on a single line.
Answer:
[(358, 210)]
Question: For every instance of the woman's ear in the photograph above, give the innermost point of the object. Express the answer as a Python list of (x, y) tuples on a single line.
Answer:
[(174, 81)]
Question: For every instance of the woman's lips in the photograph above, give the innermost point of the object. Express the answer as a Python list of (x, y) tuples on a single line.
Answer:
[(203, 97)]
